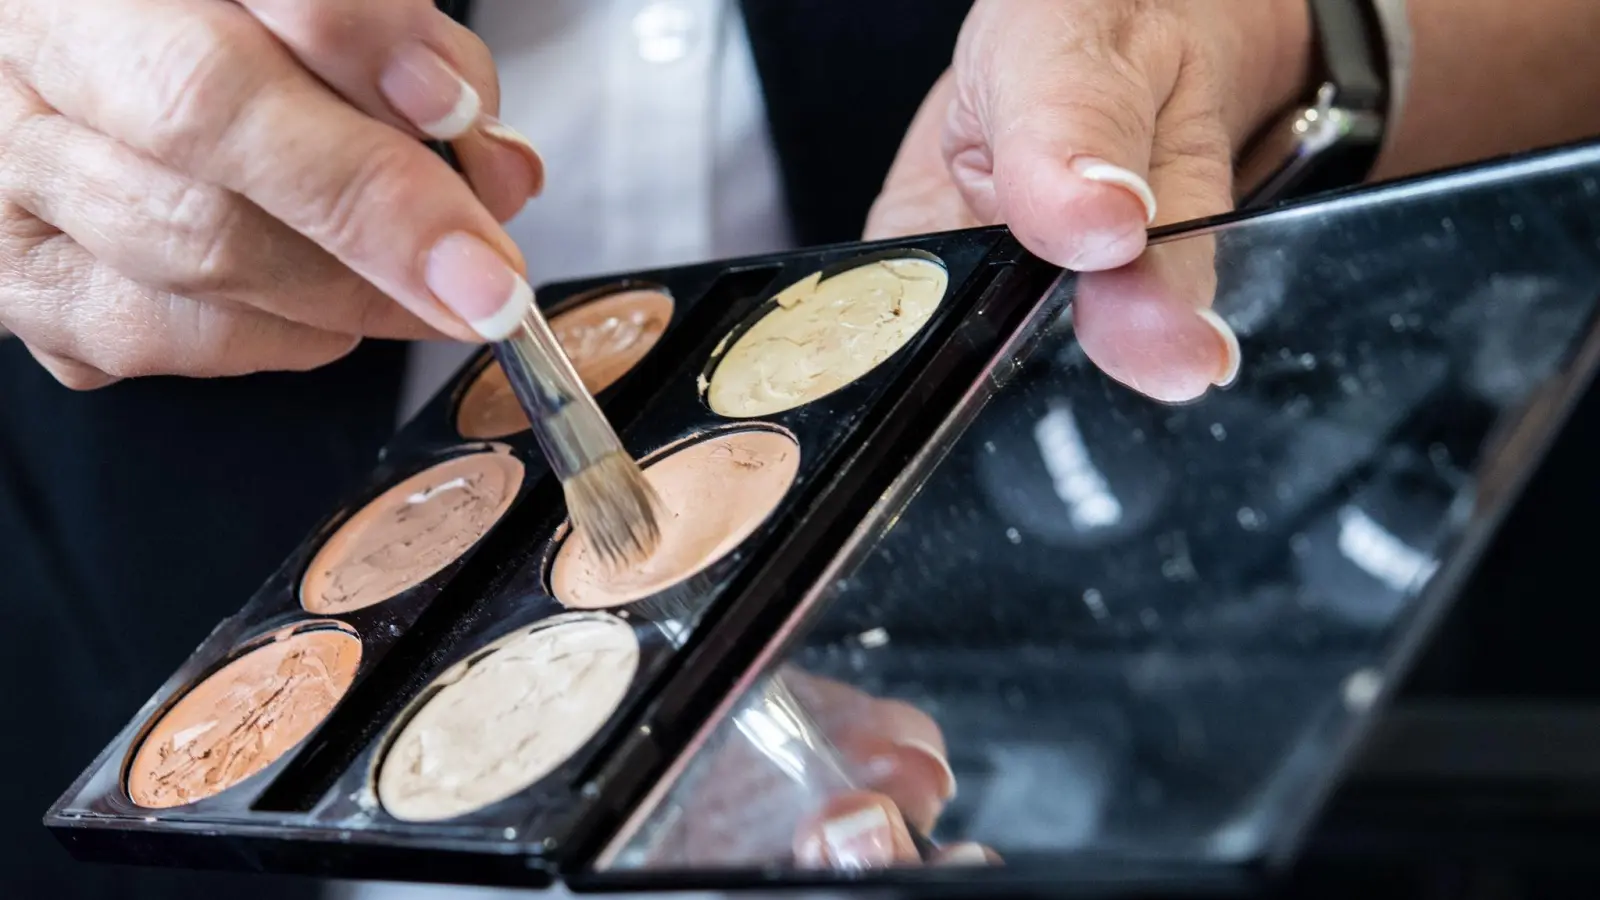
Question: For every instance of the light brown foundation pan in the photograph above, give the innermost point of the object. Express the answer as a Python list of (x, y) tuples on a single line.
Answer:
[(715, 491), (508, 716), (410, 532), (823, 334), (605, 338), (245, 715)]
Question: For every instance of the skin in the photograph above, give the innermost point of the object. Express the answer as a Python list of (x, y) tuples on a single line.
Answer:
[(900, 761), (201, 188), (178, 177), (1170, 90)]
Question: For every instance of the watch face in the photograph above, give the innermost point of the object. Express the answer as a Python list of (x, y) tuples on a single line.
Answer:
[(1310, 150)]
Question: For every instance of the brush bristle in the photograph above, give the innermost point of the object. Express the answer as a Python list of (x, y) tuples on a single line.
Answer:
[(616, 509)]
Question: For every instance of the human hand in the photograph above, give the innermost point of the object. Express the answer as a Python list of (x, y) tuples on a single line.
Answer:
[(742, 809), (1079, 123), (201, 188)]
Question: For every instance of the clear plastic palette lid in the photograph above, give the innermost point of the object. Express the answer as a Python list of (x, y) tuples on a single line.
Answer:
[(1144, 634)]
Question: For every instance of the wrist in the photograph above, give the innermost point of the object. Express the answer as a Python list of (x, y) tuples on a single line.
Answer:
[(1277, 54)]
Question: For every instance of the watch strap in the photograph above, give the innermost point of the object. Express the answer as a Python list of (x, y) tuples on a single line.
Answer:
[(1332, 138), (1394, 20)]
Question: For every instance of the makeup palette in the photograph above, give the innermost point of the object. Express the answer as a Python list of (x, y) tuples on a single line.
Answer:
[(444, 679), (896, 495)]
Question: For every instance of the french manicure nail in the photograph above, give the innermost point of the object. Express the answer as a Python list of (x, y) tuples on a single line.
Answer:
[(1230, 343), (430, 94), (810, 855), (860, 839), (502, 133), (1099, 170), (469, 277), (928, 750), (966, 853)]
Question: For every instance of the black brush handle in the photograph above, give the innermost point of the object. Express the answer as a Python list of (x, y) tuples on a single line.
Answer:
[(447, 153)]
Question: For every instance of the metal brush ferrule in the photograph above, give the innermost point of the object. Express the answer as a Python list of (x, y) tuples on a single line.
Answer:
[(567, 421)]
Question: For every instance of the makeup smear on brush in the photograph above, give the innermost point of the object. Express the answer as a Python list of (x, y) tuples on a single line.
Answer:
[(410, 532), (244, 716), (604, 338), (714, 493), (824, 334), (508, 717)]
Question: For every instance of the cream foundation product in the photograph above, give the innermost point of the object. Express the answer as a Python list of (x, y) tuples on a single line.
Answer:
[(824, 334), (604, 338), (243, 717), (410, 532), (714, 493), (506, 719), (520, 705)]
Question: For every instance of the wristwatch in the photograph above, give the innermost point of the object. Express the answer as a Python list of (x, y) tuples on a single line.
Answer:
[(1332, 137)]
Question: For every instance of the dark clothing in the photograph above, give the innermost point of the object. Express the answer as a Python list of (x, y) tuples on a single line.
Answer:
[(134, 518)]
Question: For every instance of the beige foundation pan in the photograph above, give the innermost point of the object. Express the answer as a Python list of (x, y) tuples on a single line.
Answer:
[(605, 337), (508, 716), (823, 333)]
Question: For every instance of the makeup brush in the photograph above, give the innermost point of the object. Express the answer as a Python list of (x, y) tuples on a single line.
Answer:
[(605, 489), (607, 495)]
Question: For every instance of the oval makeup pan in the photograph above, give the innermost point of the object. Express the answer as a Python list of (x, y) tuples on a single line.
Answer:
[(509, 717), (605, 338), (243, 717), (825, 334), (410, 532), (714, 493)]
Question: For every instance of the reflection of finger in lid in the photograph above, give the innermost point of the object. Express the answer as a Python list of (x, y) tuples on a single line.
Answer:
[(909, 725), (911, 774), (857, 830), (967, 853)]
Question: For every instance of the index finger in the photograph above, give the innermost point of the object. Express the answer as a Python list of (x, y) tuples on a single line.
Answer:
[(352, 44), (204, 89), (1150, 324)]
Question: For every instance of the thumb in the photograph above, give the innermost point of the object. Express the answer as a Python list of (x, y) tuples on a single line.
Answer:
[(1079, 150), (1150, 324), (1054, 125)]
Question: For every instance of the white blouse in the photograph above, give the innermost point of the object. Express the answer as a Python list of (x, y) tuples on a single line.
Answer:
[(650, 119)]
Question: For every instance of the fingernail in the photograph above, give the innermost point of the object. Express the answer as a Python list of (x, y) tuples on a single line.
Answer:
[(506, 135), (424, 89), (1230, 343), (928, 750), (468, 276), (1105, 173), (861, 839), (963, 854), (810, 855)]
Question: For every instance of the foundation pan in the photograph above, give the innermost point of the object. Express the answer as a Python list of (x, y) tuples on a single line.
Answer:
[(604, 337), (244, 716), (410, 532), (715, 491), (822, 333), (513, 713)]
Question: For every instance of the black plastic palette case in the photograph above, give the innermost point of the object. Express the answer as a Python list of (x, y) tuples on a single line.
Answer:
[(924, 568)]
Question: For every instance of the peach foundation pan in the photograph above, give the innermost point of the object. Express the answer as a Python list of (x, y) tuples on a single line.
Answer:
[(481, 700), (605, 336)]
